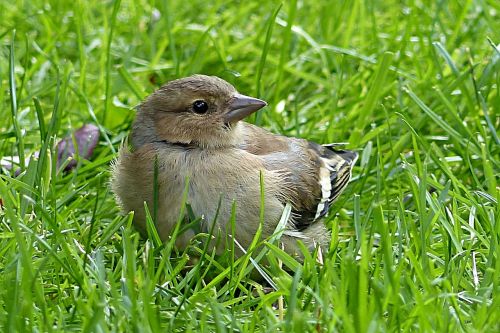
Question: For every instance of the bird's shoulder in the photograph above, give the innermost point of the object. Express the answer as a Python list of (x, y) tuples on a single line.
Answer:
[(259, 141)]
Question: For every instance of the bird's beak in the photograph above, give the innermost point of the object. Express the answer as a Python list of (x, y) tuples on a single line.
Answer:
[(242, 106)]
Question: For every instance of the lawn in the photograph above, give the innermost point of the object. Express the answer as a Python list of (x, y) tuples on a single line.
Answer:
[(413, 86)]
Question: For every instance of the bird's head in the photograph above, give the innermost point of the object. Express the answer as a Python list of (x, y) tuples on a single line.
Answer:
[(199, 110)]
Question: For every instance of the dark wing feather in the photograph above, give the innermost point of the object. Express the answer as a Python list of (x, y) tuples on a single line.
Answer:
[(334, 175), (317, 174)]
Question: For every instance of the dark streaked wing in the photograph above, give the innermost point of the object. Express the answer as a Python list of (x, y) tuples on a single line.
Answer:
[(318, 174), (334, 175)]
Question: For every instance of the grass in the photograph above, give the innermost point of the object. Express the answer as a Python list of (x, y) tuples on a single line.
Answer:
[(413, 86)]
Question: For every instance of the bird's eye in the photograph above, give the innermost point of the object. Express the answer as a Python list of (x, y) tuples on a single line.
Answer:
[(200, 106)]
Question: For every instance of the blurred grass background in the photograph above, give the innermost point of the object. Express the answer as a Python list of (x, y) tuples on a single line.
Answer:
[(412, 85)]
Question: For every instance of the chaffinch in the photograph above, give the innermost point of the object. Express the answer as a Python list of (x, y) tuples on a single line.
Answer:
[(192, 127)]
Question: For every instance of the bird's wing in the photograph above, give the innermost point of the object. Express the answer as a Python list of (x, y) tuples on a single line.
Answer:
[(334, 174), (315, 175)]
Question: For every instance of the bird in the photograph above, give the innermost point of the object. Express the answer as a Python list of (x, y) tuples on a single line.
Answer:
[(189, 135)]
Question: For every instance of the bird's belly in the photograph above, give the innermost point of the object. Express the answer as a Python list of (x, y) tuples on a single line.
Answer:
[(215, 186), (214, 200)]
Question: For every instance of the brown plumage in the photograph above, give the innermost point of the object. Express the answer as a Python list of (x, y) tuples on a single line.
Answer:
[(193, 128)]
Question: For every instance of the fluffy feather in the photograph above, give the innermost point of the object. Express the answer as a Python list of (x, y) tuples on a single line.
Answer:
[(223, 158)]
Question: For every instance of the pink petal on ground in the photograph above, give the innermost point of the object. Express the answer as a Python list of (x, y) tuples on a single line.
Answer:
[(86, 138)]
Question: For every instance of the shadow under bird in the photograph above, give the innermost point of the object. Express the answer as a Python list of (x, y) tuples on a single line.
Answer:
[(192, 127)]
